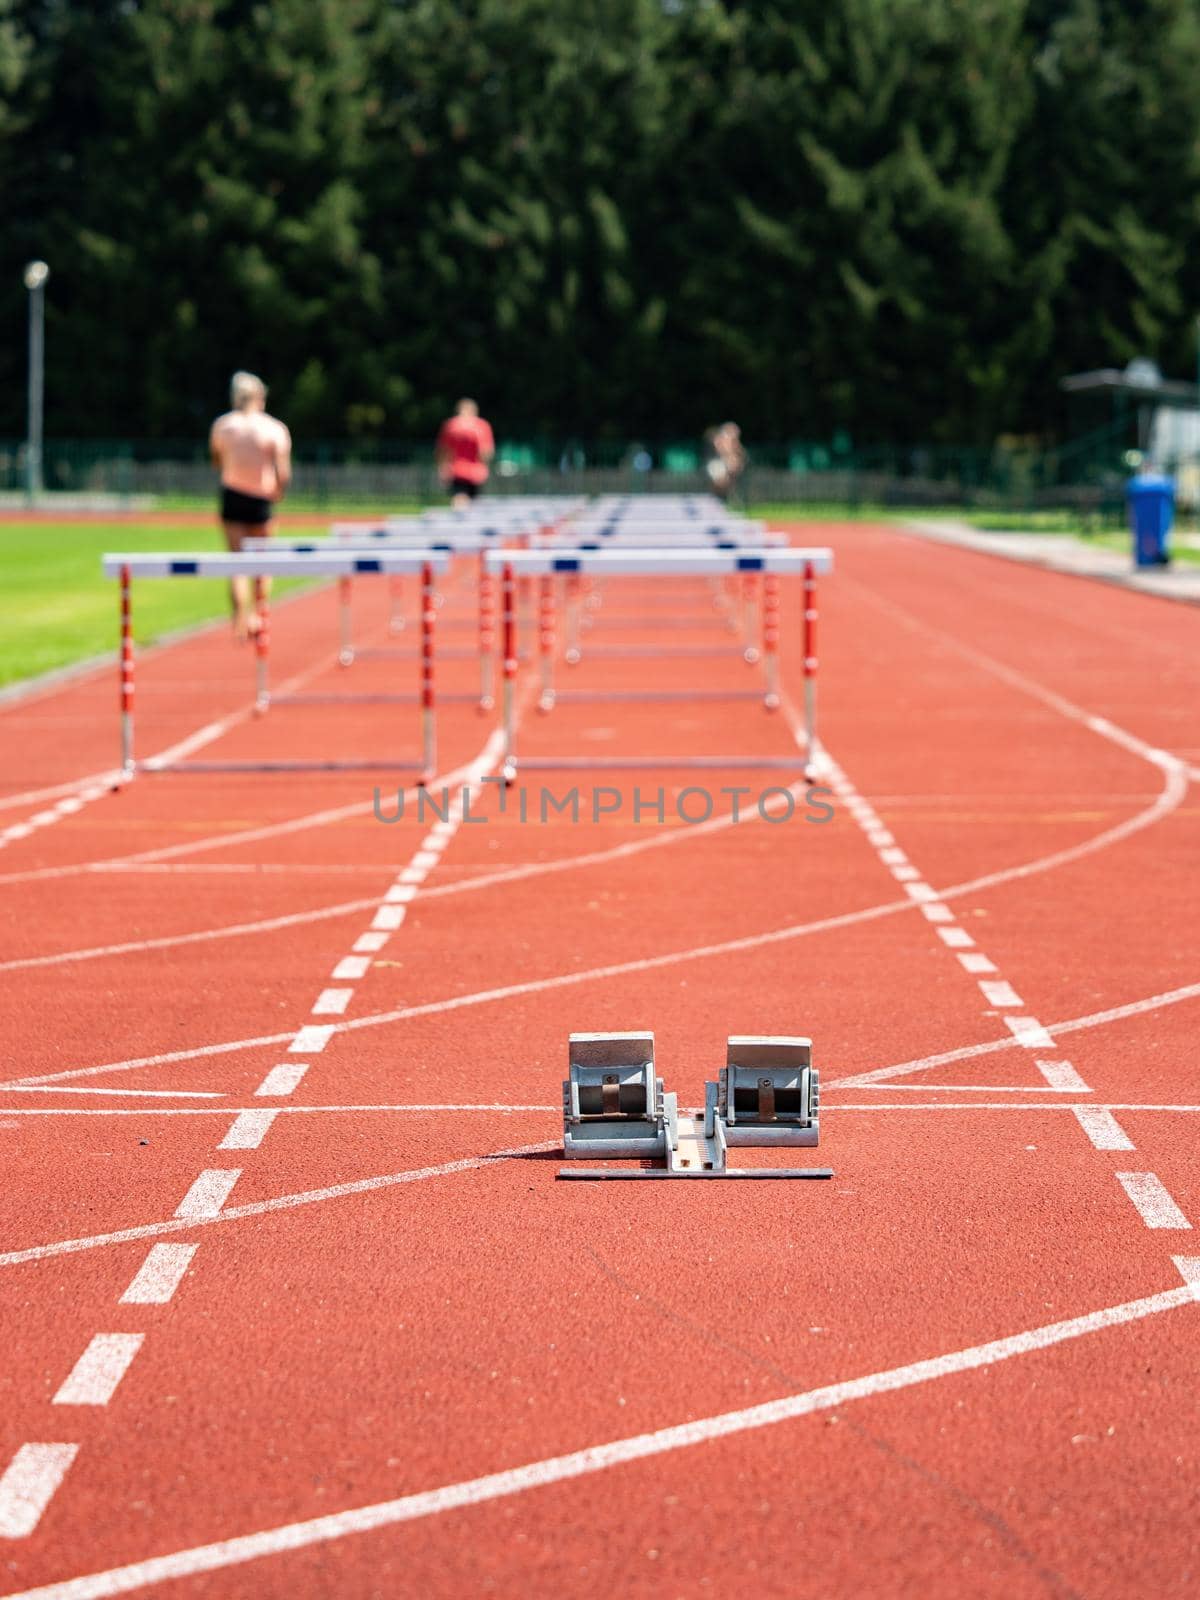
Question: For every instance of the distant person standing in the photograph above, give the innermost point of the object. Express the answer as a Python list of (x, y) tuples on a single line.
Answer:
[(726, 458), (464, 449), (253, 453)]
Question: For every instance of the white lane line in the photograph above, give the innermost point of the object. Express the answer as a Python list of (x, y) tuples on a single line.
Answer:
[(937, 912), (955, 938), (220, 841), (904, 874), (1151, 1200), (152, 1094), (597, 1458), (332, 1002), (921, 892), (248, 1130), (893, 856), (998, 993), (309, 1041), (159, 1275), (209, 1193), (388, 918), (1094, 1019), (94, 1378), (351, 967), (284, 1079), (1029, 1033), (234, 930), (259, 1208), (1102, 1128), (1062, 1075), (426, 859), (400, 894), (370, 942), (976, 961), (28, 1486), (1189, 1268), (410, 1108)]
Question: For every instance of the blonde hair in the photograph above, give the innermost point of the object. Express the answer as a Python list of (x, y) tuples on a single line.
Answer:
[(245, 387)]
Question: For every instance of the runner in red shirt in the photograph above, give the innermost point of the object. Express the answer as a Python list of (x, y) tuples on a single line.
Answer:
[(464, 447)]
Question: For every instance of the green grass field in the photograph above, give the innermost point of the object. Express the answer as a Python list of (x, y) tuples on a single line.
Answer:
[(59, 609)]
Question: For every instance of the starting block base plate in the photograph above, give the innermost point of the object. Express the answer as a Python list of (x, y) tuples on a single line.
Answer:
[(690, 1174)]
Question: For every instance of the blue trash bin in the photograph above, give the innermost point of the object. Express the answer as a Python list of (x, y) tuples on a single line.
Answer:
[(1151, 499)]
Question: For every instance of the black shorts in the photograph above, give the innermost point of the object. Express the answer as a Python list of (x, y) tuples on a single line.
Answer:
[(465, 486), (250, 509)]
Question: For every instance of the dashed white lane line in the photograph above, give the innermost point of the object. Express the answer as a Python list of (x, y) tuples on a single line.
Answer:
[(935, 911), (29, 1484), (388, 918), (1029, 1033), (598, 1458), (94, 1378), (283, 1079), (332, 1002), (1151, 1200), (1189, 1269), (158, 1277), (370, 942), (311, 1039), (1102, 1128), (248, 1130), (975, 961), (208, 1194), (351, 967), (955, 938), (1062, 1075), (999, 993)]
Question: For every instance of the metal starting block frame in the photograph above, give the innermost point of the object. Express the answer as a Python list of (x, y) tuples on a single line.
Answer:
[(615, 1108)]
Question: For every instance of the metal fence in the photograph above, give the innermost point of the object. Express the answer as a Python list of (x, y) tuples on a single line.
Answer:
[(1086, 477)]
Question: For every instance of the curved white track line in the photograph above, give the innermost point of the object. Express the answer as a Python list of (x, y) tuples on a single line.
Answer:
[(1097, 1019), (259, 1208), (467, 886), (643, 964), (583, 1463)]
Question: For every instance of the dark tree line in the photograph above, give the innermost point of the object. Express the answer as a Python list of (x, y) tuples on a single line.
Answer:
[(903, 219)]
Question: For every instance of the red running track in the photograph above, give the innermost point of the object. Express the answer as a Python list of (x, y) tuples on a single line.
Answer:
[(381, 1352)]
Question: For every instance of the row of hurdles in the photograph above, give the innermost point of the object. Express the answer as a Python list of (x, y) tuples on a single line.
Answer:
[(561, 553)]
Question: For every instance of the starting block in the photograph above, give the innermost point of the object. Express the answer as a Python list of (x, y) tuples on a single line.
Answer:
[(615, 1108)]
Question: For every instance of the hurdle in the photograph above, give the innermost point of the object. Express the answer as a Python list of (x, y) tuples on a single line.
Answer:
[(259, 565), (472, 543), (774, 563)]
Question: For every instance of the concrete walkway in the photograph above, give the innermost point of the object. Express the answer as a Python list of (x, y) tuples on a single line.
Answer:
[(1063, 552)]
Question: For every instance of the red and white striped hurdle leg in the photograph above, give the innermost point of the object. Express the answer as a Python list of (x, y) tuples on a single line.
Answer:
[(574, 600), (770, 637), (749, 591), (428, 703), (487, 635), (546, 640), (509, 602), (345, 629), (262, 647), (395, 604), (126, 675), (812, 749)]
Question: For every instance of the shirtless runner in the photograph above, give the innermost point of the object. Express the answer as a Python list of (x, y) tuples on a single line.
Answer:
[(253, 453)]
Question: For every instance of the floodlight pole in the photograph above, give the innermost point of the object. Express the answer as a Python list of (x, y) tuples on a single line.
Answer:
[(36, 274)]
